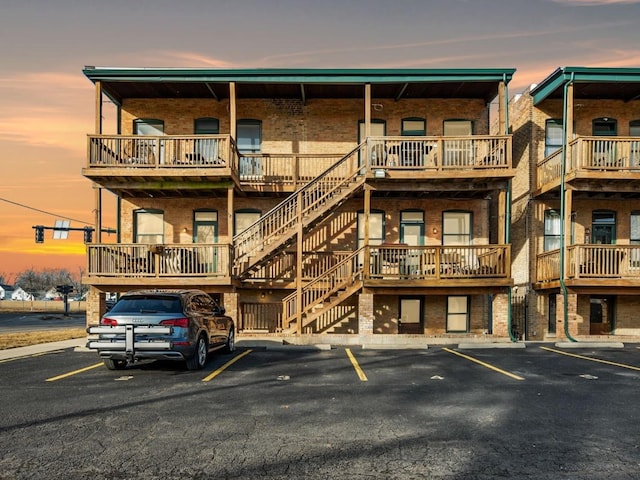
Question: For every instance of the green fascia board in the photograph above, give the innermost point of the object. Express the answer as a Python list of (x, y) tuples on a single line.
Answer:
[(562, 76), (320, 76)]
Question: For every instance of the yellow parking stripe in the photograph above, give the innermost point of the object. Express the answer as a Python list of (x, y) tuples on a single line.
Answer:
[(356, 366), (75, 372), (479, 362), (598, 360), (217, 372)]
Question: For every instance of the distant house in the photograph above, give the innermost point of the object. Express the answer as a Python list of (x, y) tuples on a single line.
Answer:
[(52, 294), (20, 294), (5, 291)]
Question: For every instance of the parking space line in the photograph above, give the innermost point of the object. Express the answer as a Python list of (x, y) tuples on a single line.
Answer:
[(75, 372), (356, 365), (486, 365), (218, 371), (598, 360)]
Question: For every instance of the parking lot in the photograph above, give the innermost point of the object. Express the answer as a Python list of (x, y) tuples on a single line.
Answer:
[(540, 412)]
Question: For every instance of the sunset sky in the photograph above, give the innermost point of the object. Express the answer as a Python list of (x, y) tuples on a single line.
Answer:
[(47, 105)]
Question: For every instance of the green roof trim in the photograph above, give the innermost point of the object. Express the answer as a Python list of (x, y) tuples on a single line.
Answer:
[(561, 76), (284, 75)]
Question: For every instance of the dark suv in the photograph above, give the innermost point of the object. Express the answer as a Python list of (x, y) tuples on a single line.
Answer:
[(182, 325)]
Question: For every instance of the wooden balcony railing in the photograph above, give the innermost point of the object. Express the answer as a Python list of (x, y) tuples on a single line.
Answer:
[(477, 152), (167, 260), (166, 151), (617, 155), (285, 170), (442, 262), (591, 262)]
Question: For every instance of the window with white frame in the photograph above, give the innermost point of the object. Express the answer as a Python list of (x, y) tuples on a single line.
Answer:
[(552, 223), (552, 136), (149, 226)]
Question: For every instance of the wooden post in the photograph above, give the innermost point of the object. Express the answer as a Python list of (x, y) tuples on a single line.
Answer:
[(98, 190), (502, 109), (367, 110), (502, 215), (299, 251), (232, 110), (366, 264), (230, 227), (568, 205)]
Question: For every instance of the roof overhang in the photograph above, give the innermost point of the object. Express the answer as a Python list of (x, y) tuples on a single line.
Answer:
[(590, 84), (304, 84)]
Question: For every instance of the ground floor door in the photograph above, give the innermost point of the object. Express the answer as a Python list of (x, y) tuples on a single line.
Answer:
[(601, 315)]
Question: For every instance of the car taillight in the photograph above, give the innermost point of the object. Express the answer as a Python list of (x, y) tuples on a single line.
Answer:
[(176, 322), (109, 321)]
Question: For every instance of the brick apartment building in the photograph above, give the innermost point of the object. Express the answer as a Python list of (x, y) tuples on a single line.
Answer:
[(312, 202), (576, 204)]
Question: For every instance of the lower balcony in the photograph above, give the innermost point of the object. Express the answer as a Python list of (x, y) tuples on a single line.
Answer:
[(591, 265), (142, 264)]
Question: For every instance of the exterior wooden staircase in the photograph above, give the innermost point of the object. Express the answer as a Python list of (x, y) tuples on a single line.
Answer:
[(322, 294), (306, 207)]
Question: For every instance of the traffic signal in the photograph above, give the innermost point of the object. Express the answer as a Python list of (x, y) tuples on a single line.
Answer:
[(64, 289), (88, 234), (39, 233)]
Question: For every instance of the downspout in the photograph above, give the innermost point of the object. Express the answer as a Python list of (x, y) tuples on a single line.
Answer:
[(563, 286), (507, 227)]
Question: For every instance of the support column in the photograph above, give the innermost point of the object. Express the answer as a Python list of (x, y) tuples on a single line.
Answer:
[(502, 109), (365, 314), (572, 314), (366, 264), (502, 216), (230, 303), (232, 110), (96, 306), (230, 228), (299, 253), (367, 111), (98, 190), (500, 309), (568, 205)]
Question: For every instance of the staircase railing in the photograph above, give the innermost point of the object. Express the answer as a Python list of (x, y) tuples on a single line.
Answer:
[(341, 276), (275, 228)]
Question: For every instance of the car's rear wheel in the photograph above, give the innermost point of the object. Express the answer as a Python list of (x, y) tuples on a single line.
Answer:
[(230, 344), (112, 364), (199, 358)]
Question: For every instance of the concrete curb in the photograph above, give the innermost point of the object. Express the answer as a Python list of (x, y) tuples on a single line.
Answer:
[(589, 345), (481, 346)]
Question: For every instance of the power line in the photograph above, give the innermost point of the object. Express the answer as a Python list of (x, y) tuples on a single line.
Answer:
[(44, 211)]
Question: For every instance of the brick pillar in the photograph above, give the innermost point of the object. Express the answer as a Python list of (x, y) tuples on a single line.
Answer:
[(572, 314), (96, 306), (230, 304), (365, 314), (500, 315)]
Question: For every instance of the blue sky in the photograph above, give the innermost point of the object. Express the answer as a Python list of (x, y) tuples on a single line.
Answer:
[(47, 104)]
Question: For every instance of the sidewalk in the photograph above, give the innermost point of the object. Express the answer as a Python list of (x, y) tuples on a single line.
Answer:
[(41, 348)]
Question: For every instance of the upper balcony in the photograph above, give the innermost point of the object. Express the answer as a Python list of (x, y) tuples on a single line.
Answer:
[(389, 265), (591, 266), (193, 165), (593, 164)]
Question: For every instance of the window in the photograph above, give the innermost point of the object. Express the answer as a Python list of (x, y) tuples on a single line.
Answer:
[(603, 227), (552, 223), (457, 128), (249, 143), (206, 126), (378, 129), (205, 226), (148, 126), (376, 228), (604, 127), (458, 152), (414, 126), (456, 228), (149, 226), (458, 313), (553, 136), (412, 227), (634, 239), (244, 219)]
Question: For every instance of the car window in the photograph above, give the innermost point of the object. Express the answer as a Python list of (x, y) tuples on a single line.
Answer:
[(201, 304), (147, 303)]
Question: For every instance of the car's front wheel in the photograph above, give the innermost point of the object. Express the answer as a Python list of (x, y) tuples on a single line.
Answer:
[(230, 344), (112, 364), (199, 358)]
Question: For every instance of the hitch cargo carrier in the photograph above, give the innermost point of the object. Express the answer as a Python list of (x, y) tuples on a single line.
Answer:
[(136, 337)]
